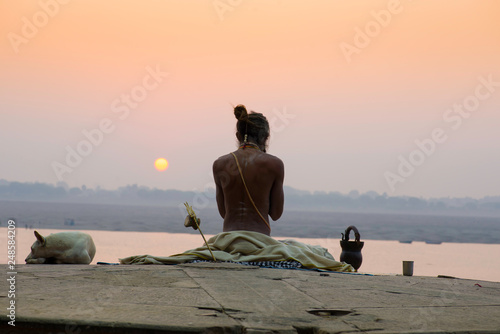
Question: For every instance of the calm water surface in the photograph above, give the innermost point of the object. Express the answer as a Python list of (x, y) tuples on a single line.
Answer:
[(472, 261)]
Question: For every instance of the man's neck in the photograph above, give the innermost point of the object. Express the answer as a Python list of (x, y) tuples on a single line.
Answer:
[(251, 146)]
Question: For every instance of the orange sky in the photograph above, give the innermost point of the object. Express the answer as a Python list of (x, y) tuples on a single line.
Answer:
[(348, 121)]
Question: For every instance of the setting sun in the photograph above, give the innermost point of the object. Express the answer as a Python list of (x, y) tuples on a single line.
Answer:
[(161, 164)]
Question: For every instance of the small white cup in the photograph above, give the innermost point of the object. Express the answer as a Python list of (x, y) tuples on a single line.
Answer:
[(408, 268)]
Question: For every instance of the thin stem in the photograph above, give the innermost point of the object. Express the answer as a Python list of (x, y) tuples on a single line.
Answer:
[(193, 216)]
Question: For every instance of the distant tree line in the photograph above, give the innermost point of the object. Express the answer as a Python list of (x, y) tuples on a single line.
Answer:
[(294, 199), (372, 201)]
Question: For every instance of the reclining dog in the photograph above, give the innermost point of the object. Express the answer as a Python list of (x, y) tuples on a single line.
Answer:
[(63, 247)]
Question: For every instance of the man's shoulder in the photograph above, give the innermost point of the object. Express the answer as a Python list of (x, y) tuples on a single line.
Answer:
[(224, 157), (266, 157), (272, 161), (273, 158), (222, 160)]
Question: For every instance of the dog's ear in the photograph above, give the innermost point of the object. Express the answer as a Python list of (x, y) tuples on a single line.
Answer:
[(40, 238)]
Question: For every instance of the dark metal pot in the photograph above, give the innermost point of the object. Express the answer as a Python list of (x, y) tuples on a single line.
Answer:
[(351, 250)]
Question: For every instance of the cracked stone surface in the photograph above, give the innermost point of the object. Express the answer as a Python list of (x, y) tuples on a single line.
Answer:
[(223, 298)]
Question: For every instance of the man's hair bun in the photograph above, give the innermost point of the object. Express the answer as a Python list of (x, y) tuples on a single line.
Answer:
[(240, 112)]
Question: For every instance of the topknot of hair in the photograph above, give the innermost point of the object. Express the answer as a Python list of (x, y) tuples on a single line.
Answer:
[(240, 112)]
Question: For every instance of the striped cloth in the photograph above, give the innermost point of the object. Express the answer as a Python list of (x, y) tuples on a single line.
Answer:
[(262, 264)]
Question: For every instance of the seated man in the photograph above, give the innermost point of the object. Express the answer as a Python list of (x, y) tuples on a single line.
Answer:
[(249, 190), (249, 182)]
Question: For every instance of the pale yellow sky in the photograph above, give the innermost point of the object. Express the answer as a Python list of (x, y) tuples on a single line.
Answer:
[(342, 120)]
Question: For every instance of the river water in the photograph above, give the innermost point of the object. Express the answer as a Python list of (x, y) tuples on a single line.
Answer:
[(462, 260)]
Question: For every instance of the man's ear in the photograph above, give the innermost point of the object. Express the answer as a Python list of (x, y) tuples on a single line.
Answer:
[(40, 238)]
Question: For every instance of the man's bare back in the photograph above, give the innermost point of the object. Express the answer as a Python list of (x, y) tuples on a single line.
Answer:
[(263, 174)]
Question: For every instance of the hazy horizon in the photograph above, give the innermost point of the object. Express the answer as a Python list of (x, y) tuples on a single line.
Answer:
[(396, 97)]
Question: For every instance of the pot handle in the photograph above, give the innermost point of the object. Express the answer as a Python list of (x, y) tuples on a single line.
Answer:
[(357, 237)]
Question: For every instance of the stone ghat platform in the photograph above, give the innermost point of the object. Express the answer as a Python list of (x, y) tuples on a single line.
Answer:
[(231, 298)]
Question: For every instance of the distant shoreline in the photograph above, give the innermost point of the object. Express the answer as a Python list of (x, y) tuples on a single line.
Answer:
[(457, 212), (297, 199)]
